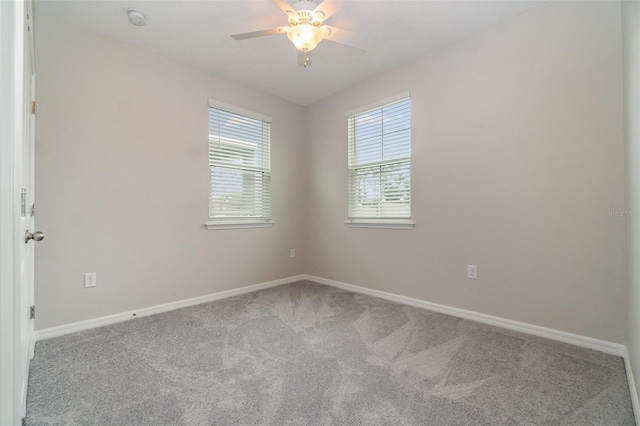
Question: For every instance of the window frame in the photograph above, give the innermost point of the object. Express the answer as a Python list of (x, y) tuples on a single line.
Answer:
[(238, 222), (378, 222)]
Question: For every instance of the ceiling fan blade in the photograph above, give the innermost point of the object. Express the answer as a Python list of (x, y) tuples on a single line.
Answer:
[(304, 58), (355, 40), (284, 6), (328, 8), (261, 33)]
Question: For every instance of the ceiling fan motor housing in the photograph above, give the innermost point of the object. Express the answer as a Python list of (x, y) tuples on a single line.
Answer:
[(305, 13)]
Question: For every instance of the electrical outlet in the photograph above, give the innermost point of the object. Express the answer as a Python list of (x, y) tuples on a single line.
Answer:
[(472, 272), (292, 253), (90, 279)]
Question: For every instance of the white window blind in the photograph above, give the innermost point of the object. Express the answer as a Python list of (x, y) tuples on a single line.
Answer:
[(380, 162), (239, 166)]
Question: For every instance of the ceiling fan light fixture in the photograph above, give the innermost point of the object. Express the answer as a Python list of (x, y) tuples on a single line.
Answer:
[(305, 37)]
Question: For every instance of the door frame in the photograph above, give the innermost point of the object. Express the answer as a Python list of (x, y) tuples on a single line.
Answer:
[(14, 314)]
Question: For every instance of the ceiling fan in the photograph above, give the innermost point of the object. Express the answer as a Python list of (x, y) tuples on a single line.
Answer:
[(306, 28)]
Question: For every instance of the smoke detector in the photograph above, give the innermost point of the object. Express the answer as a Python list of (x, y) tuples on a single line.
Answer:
[(136, 17)]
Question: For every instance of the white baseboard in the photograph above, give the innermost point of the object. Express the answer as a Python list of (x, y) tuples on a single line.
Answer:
[(561, 336), (632, 388), (48, 333)]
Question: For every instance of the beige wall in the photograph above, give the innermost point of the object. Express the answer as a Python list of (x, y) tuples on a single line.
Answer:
[(631, 55), (517, 153), (122, 180)]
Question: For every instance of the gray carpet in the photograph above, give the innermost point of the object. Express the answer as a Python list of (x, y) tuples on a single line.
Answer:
[(306, 353)]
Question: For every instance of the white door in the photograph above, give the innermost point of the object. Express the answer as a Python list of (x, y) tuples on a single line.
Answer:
[(17, 126), (27, 219), (30, 140)]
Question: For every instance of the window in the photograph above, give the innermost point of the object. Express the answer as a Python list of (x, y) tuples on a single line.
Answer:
[(239, 167), (380, 164)]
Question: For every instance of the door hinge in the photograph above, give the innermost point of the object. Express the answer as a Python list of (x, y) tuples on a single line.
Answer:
[(34, 107), (33, 312), (23, 202)]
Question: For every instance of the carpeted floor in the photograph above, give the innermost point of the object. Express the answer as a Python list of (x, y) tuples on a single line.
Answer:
[(306, 353)]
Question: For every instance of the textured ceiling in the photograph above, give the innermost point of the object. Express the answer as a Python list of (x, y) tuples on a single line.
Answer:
[(197, 32)]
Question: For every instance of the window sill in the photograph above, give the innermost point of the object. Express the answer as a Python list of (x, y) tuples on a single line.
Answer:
[(237, 225), (392, 224)]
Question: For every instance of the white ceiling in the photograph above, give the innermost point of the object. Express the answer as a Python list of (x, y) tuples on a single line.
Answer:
[(197, 32)]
